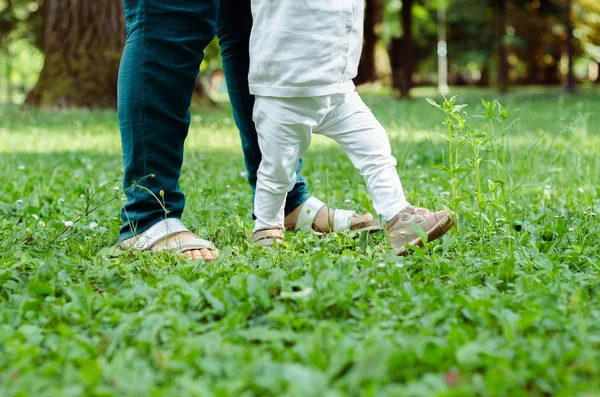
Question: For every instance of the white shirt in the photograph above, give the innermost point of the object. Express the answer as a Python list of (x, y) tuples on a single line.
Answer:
[(304, 48)]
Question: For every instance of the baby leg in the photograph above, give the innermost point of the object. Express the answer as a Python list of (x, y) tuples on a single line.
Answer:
[(283, 137), (366, 143)]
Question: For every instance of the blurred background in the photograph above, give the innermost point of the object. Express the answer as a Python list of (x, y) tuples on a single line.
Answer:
[(65, 53)]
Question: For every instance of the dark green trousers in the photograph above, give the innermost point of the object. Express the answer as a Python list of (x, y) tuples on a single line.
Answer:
[(160, 63)]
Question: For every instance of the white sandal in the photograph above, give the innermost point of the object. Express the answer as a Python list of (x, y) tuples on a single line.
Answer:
[(148, 240), (342, 219)]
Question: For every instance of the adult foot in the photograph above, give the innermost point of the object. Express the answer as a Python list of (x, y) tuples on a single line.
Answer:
[(171, 235)]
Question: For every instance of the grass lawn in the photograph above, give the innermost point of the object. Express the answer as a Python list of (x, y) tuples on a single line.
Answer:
[(508, 304)]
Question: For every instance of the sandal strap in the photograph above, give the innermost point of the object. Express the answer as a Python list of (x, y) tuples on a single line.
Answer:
[(342, 220), (158, 232), (308, 213), (181, 246), (267, 234)]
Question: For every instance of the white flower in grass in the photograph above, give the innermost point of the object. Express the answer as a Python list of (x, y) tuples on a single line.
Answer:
[(381, 265), (34, 216), (68, 223), (21, 167), (399, 265), (42, 224), (243, 174), (580, 189), (116, 188), (347, 201), (19, 201), (93, 225)]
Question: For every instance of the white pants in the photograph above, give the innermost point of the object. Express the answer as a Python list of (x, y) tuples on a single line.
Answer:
[(285, 127)]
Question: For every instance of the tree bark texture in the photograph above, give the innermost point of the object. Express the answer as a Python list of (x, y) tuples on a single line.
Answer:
[(503, 65), (401, 53), (367, 70), (407, 41), (82, 45), (571, 84), (484, 81)]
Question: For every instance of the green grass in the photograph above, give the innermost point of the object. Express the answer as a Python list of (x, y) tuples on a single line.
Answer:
[(510, 309)]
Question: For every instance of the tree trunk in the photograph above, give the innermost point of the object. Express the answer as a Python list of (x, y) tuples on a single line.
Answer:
[(82, 45), (532, 68), (401, 53), (407, 38), (571, 84), (484, 81), (503, 65), (395, 53), (9, 70), (7, 26), (551, 72), (367, 70), (598, 75)]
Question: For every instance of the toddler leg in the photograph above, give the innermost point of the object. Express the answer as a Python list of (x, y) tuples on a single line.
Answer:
[(366, 143), (283, 137)]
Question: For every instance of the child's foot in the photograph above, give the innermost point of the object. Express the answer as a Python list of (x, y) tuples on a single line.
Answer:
[(402, 231), (316, 215), (268, 237)]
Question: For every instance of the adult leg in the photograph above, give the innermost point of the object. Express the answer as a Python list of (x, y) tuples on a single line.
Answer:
[(161, 58), (233, 30)]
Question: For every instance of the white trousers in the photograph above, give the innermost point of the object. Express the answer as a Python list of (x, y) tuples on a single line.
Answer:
[(285, 127)]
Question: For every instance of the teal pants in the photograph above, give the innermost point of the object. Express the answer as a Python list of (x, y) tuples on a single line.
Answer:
[(163, 51)]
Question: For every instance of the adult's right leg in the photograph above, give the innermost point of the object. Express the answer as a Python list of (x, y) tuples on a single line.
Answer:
[(161, 59)]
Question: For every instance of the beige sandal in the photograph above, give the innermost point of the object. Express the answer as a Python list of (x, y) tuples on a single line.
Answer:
[(160, 232), (268, 237)]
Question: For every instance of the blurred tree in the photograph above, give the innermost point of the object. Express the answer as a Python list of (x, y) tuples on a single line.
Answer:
[(471, 39), (367, 70), (502, 7), (586, 21), (570, 85), (82, 42), (401, 52), (533, 39), (8, 23)]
